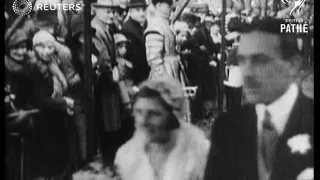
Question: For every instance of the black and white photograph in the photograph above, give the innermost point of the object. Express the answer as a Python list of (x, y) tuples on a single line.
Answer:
[(159, 89)]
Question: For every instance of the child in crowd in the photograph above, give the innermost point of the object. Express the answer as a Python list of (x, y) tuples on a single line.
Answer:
[(122, 72)]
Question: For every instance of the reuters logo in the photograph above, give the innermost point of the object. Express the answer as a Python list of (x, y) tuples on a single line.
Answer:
[(22, 7)]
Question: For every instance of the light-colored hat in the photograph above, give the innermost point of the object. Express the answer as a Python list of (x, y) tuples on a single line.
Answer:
[(107, 3), (118, 38), (42, 36), (171, 92)]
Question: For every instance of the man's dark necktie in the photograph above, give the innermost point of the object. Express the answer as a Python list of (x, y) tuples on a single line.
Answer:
[(269, 141)]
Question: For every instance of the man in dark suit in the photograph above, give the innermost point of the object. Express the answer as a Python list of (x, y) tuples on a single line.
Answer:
[(134, 28), (271, 138), (107, 95)]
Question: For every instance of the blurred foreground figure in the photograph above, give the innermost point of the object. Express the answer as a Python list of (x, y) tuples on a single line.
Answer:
[(163, 146), (271, 138)]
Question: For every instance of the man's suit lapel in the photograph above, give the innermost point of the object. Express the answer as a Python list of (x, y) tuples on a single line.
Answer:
[(300, 121)]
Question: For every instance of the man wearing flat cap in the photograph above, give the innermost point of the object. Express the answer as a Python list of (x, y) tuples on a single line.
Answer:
[(107, 104), (133, 28), (164, 146)]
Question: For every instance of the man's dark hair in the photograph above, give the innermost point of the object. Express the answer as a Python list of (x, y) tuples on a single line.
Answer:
[(147, 92), (288, 41), (154, 2)]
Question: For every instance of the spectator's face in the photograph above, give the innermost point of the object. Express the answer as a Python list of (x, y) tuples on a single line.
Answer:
[(208, 25), (182, 37), (266, 74), (151, 118), (164, 8), (106, 15), (18, 53), (215, 29), (122, 49), (121, 15), (138, 14), (45, 50)]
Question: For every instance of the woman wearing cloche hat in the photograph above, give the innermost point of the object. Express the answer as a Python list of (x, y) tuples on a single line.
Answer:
[(163, 146)]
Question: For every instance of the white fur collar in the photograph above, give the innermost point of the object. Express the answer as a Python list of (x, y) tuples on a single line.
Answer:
[(186, 161)]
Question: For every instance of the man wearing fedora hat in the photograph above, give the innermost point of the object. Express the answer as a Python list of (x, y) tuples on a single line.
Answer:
[(133, 28), (107, 95)]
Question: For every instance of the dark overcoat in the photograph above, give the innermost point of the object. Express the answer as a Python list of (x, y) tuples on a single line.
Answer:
[(107, 94), (233, 154), (137, 50)]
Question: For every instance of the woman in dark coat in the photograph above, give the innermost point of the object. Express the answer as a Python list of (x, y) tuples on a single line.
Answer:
[(47, 149), (17, 87), (51, 134)]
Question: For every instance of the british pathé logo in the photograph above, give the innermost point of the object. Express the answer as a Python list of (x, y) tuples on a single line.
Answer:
[(22, 7), (294, 26), (297, 5)]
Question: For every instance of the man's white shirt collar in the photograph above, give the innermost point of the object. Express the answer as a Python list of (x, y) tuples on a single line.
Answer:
[(279, 109)]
